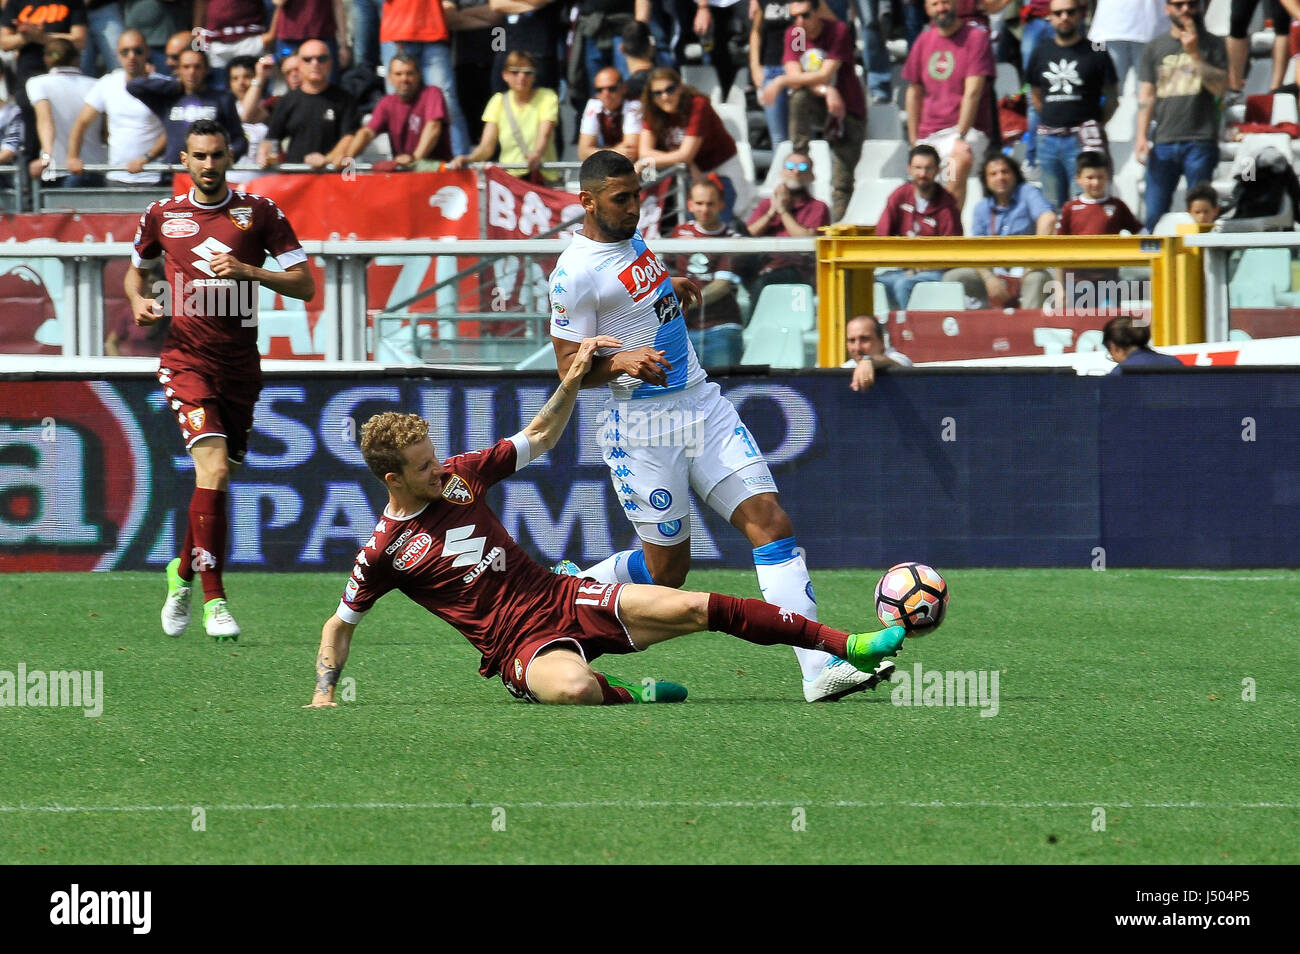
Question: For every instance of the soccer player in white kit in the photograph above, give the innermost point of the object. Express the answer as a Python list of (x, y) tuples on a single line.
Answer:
[(666, 428)]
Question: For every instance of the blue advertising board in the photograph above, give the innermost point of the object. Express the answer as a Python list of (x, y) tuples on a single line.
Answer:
[(956, 469)]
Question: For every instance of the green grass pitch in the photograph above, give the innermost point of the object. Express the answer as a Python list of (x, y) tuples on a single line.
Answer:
[(1165, 698)]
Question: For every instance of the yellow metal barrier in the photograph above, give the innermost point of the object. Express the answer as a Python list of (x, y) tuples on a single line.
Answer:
[(848, 255)]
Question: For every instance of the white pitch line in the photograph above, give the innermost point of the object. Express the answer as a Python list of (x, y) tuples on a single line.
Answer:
[(1236, 579), (477, 806)]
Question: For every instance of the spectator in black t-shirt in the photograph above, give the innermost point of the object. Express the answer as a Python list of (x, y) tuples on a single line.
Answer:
[(318, 118), (540, 32), (25, 26), (1075, 91)]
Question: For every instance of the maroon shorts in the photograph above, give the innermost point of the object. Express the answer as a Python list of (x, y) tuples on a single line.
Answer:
[(208, 408), (598, 631)]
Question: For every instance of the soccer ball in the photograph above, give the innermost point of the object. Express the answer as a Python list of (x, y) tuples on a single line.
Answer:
[(912, 595)]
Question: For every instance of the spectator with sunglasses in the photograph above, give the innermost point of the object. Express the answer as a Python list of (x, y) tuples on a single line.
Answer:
[(135, 135), (792, 212), (1181, 76), (521, 120), (679, 125), (611, 120), (318, 119), (1075, 90)]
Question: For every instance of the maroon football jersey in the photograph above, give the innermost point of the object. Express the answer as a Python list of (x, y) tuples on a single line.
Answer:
[(456, 560), (214, 320), (1108, 216)]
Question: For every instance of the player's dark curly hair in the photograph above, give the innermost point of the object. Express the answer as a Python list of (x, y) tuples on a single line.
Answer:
[(386, 436)]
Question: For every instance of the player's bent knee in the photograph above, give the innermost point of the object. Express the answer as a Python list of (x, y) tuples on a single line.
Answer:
[(672, 576), (570, 690)]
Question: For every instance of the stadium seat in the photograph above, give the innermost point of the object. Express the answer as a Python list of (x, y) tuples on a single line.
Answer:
[(745, 153), (1261, 275), (1007, 82), (701, 76), (880, 301), (736, 121), (1169, 222), (777, 348), (885, 122), (782, 306), (1123, 125), (881, 158), (1259, 76), (937, 296), (1129, 183), (868, 201)]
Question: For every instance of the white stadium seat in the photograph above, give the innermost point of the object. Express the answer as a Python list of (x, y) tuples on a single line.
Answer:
[(937, 296)]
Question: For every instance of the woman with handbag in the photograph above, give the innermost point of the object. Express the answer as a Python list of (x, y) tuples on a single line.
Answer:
[(521, 121)]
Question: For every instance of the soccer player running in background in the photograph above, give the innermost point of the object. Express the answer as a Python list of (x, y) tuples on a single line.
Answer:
[(440, 543), (214, 242), (666, 428)]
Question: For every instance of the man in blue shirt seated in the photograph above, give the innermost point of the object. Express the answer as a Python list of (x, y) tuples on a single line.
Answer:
[(1128, 342), (1010, 206)]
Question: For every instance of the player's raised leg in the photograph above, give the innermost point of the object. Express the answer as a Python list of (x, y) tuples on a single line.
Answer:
[(654, 614)]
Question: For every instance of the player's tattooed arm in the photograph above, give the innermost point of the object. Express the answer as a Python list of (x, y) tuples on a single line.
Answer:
[(335, 641), (544, 431)]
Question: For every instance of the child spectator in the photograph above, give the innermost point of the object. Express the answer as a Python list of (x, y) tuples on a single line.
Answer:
[(1203, 204), (1095, 212)]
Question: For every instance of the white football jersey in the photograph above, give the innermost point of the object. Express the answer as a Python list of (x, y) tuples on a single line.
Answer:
[(622, 289)]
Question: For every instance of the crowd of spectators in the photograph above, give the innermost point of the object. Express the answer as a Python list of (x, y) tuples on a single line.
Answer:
[(306, 78), (447, 83)]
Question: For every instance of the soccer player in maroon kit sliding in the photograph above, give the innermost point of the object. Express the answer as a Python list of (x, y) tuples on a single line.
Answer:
[(215, 242), (441, 544)]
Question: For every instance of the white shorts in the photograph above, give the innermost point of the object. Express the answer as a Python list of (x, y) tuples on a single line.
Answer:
[(659, 449), (943, 142)]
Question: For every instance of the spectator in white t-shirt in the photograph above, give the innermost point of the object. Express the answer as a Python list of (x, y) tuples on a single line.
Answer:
[(57, 98), (135, 134), (1124, 27), (611, 120)]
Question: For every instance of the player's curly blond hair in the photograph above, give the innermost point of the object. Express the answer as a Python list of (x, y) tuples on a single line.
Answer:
[(385, 436)]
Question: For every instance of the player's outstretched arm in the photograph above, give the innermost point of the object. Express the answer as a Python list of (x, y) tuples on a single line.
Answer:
[(544, 431), (294, 282), (335, 641)]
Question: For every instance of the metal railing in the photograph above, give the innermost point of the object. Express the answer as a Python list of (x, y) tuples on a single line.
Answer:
[(348, 329)]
